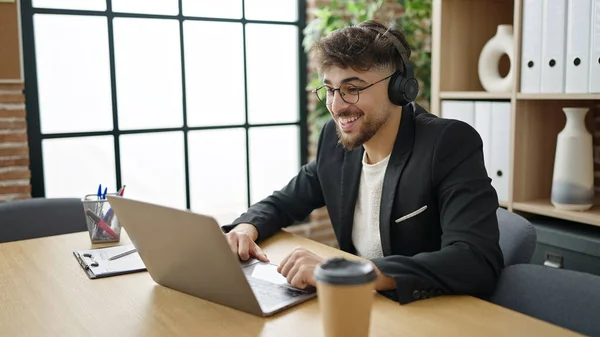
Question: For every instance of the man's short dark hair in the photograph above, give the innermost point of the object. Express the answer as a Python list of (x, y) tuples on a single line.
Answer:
[(360, 48)]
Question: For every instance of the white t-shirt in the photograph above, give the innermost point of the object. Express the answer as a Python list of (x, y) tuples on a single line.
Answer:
[(365, 231)]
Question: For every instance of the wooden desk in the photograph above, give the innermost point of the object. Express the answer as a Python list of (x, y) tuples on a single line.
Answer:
[(44, 292)]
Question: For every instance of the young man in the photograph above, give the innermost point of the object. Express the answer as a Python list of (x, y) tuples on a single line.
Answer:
[(403, 188)]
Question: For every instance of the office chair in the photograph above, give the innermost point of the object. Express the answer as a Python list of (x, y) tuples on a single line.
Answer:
[(40, 217), (517, 237), (563, 297)]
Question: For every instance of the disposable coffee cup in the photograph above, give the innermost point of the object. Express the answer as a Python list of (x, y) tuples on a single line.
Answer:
[(345, 291)]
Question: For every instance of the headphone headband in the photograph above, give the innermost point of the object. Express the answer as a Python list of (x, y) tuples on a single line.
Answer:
[(403, 87), (401, 50)]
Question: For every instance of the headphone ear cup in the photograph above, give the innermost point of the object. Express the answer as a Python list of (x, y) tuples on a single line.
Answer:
[(401, 90), (395, 88), (410, 89)]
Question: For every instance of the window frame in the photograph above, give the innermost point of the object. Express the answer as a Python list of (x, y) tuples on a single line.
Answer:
[(36, 137)]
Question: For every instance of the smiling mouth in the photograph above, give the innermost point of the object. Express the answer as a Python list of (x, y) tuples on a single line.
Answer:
[(348, 124), (348, 120)]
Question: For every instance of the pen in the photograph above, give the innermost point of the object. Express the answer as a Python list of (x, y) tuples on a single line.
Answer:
[(131, 251), (101, 223), (110, 212), (96, 208), (122, 190), (108, 215)]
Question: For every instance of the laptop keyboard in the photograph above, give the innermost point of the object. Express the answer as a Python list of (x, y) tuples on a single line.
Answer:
[(269, 293)]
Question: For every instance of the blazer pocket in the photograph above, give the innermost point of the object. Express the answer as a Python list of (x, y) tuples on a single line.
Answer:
[(411, 214)]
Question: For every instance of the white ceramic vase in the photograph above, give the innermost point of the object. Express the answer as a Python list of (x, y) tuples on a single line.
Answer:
[(573, 176), (500, 44)]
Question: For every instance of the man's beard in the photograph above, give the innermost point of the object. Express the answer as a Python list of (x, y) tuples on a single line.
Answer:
[(368, 128)]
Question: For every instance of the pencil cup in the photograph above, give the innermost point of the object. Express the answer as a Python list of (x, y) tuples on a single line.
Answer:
[(102, 223)]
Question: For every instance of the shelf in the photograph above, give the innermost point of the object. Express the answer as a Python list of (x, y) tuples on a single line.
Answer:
[(544, 207), (481, 95), (474, 95), (546, 96)]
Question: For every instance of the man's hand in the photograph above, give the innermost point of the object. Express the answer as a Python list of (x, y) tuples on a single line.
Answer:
[(383, 282), (241, 240), (299, 266)]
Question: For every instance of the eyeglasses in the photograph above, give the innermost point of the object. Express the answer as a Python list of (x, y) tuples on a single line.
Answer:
[(348, 92)]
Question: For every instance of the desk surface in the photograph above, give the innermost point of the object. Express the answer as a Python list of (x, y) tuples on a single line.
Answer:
[(44, 292)]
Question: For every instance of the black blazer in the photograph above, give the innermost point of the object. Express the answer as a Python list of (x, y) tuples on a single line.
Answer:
[(450, 248)]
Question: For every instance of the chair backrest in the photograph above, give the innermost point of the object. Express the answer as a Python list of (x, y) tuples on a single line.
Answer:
[(39, 217), (517, 237), (563, 297)]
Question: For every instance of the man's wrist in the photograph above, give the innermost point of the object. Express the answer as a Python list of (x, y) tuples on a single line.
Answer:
[(248, 229), (383, 282)]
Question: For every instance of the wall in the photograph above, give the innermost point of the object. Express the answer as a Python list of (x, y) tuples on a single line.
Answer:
[(14, 150)]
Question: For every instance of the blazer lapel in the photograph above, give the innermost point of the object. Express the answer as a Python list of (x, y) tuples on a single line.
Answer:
[(351, 170), (400, 155)]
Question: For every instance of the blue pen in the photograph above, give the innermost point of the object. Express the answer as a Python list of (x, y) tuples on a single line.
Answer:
[(108, 216), (104, 195), (99, 197)]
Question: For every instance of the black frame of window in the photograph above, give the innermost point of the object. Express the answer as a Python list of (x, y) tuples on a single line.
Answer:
[(32, 102)]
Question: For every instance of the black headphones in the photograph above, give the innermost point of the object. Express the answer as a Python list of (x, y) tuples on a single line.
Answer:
[(403, 87)]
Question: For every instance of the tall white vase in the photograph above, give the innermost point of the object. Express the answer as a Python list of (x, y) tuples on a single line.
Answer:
[(493, 50), (573, 176)]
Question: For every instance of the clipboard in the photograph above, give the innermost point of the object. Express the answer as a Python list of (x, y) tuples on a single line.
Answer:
[(96, 263)]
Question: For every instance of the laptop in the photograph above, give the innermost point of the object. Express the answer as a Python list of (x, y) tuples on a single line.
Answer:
[(188, 252)]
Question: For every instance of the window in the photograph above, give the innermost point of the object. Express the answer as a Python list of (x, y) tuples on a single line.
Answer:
[(195, 104)]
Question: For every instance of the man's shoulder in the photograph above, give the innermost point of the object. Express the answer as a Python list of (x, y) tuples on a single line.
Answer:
[(329, 136), (328, 145), (329, 127), (434, 129)]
